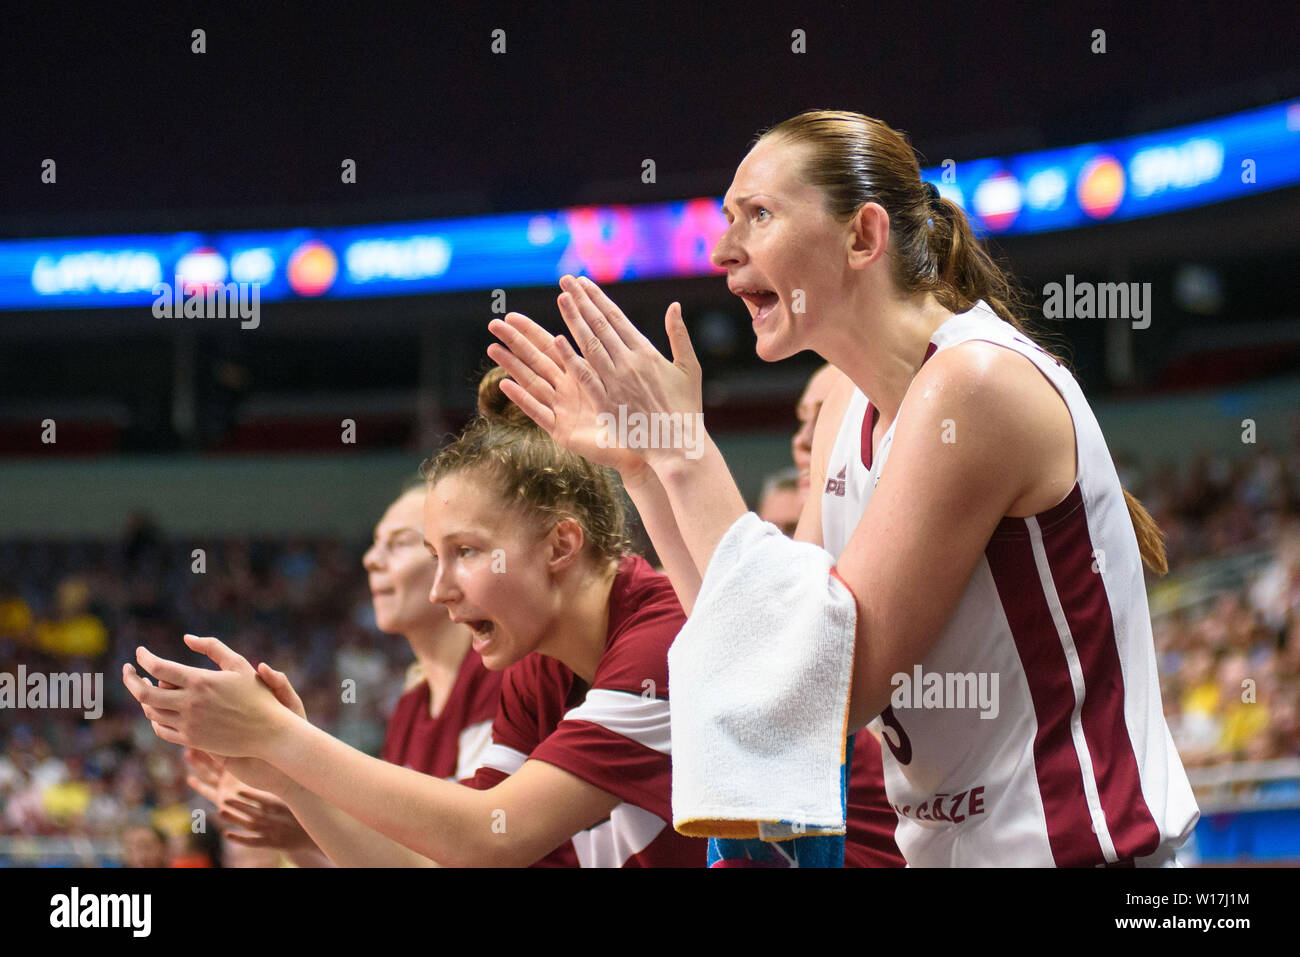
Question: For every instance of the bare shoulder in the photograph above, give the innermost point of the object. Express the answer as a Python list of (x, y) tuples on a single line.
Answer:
[(991, 380), (997, 400)]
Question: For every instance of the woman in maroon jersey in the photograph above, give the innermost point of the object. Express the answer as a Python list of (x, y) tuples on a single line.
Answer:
[(530, 546), (442, 722)]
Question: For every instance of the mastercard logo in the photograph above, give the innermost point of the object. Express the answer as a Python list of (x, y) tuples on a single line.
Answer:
[(1101, 186), (312, 268)]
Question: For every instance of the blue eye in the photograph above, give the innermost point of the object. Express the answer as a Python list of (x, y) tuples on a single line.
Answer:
[(763, 209), (464, 550)]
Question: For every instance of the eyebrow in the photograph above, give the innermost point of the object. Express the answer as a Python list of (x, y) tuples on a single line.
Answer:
[(457, 533), (397, 531), (740, 200)]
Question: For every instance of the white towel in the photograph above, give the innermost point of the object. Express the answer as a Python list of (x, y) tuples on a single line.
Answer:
[(760, 679)]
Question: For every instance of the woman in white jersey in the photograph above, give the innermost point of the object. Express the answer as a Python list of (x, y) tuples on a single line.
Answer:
[(997, 548)]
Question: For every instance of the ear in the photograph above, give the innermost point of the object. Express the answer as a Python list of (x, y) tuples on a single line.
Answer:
[(566, 541), (868, 239)]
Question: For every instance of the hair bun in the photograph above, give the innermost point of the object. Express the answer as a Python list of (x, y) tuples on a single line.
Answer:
[(494, 405)]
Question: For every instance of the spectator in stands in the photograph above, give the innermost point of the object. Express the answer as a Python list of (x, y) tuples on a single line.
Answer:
[(74, 631), (145, 846)]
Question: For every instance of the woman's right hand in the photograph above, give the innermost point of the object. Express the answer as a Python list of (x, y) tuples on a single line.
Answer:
[(551, 397), (211, 774)]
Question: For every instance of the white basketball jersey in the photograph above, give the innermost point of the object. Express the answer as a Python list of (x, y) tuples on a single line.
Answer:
[(1032, 734)]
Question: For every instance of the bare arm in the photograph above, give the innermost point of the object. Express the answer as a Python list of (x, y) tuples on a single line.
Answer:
[(513, 824), (251, 817), (309, 857), (344, 840), (656, 511), (938, 503), (231, 712), (264, 808), (703, 497), (327, 837)]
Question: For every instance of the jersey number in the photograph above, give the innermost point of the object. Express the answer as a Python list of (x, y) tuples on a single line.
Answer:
[(903, 750)]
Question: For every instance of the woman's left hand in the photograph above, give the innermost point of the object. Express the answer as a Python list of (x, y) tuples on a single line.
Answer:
[(623, 374), (249, 815), (228, 712)]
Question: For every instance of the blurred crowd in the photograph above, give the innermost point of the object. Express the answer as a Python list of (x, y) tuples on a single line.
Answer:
[(1230, 662), (1229, 665), (1211, 505), (302, 605)]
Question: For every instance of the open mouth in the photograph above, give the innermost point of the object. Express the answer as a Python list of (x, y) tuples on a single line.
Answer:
[(483, 631), (764, 301)]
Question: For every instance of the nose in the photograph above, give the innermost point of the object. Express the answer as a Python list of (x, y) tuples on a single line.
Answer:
[(370, 561), (444, 590), (726, 251)]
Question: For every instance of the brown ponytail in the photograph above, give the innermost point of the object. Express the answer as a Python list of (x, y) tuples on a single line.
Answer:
[(964, 272), (855, 159), (1151, 541), (495, 406), (532, 474)]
